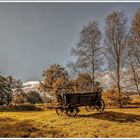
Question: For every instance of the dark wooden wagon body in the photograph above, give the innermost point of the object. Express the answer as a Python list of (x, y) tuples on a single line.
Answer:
[(70, 103), (80, 99)]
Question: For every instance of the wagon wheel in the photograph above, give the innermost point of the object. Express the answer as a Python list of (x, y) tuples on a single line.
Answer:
[(72, 111), (100, 105), (60, 109), (89, 108)]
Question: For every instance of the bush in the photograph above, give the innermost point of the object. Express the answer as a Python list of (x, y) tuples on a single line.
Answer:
[(111, 98), (135, 99), (34, 97), (26, 107)]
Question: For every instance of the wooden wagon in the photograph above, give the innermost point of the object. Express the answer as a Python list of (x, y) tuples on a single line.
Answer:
[(70, 103)]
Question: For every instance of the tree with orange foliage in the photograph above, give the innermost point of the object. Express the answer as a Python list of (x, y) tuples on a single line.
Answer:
[(82, 83), (56, 80)]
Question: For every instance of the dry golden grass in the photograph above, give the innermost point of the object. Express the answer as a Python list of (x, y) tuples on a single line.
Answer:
[(135, 99), (39, 124)]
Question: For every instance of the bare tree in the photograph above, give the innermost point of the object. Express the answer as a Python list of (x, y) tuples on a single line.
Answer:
[(134, 42), (136, 27), (73, 69), (134, 50), (115, 46), (88, 50)]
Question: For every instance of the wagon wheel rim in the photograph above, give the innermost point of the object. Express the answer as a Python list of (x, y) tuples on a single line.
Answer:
[(72, 112), (89, 108), (101, 107), (59, 111)]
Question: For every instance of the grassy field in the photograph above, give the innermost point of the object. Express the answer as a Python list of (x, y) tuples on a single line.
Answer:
[(111, 123)]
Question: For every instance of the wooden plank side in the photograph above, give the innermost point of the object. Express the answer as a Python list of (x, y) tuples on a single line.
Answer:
[(84, 98)]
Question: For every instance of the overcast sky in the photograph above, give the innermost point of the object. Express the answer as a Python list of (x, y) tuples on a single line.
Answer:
[(35, 35)]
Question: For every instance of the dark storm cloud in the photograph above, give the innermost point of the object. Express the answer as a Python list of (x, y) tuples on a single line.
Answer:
[(36, 35)]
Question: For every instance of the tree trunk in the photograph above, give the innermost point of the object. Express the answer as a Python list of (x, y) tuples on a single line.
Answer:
[(119, 91), (118, 83), (93, 76), (135, 77)]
